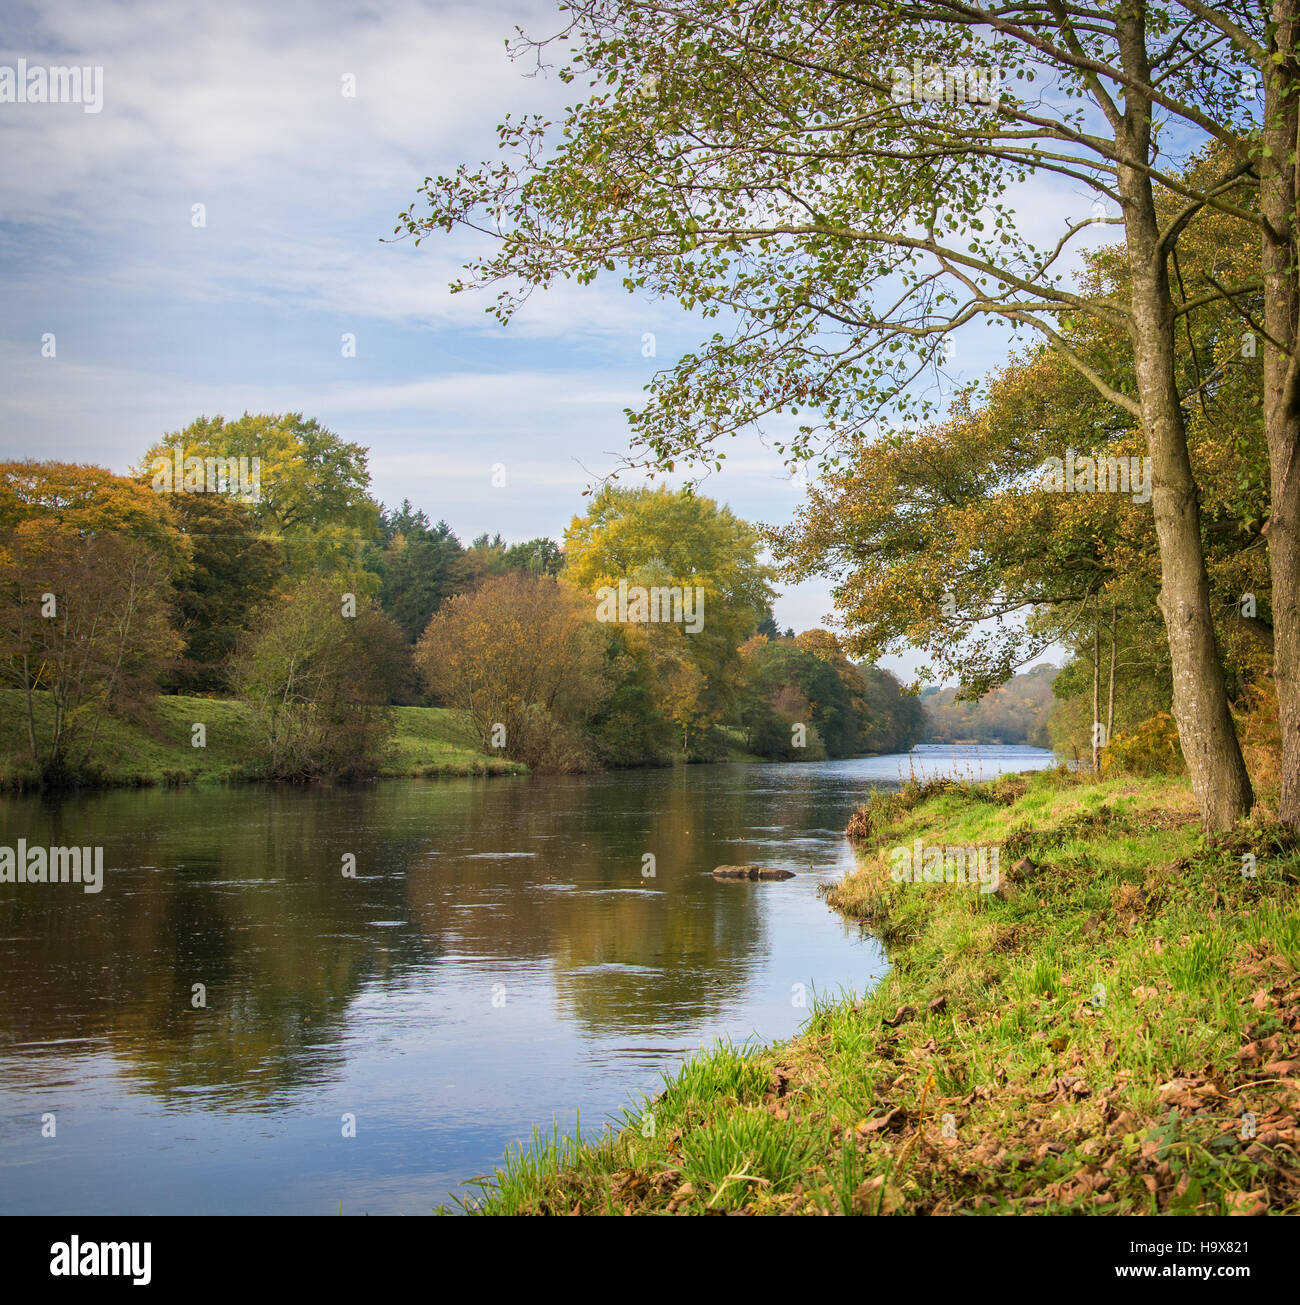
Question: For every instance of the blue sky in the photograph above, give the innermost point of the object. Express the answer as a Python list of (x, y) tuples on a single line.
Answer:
[(239, 107)]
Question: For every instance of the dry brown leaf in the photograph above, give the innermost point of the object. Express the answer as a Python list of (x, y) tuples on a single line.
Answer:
[(1247, 1203)]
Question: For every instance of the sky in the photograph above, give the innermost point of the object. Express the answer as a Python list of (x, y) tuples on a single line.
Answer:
[(158, 317)]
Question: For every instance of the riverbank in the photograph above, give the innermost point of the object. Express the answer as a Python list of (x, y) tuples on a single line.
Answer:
[(1115, 1030), (156, 748)]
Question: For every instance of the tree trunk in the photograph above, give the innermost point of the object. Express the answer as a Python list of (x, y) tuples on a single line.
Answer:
[(1096, 690), (1200, 698), (1110, 691), (1278, 199)]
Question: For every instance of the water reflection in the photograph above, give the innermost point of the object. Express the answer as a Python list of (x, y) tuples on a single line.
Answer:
[(502, 957)]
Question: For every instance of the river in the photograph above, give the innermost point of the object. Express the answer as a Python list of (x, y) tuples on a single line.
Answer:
[(504, 956)]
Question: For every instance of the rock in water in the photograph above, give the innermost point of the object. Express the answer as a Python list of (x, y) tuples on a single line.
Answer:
[(750, 872)]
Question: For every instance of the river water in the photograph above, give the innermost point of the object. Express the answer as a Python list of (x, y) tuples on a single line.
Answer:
[(510, 953)]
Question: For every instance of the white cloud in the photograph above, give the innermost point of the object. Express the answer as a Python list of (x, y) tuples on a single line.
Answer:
[(238, 105)]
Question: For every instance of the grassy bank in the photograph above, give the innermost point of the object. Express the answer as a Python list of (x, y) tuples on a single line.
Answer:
[(431, 741), (1115, 1030), (154, 747)]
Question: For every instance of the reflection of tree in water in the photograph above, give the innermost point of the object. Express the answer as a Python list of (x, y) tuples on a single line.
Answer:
[(281, 960), (630, 954), (246, 895)]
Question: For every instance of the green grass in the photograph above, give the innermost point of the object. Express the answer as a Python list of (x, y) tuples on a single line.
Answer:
[(1115, 1031), (433, 741), (154, 746)]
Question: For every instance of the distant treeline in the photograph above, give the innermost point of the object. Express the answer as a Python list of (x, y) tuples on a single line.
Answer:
[(1017, 712), (801, 699), (247, 559)]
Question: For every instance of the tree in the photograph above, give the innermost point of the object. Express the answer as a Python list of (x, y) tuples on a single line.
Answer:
[(233, 571), (946, 539), (895, 720), (1016, 712), (801, 699), (420, 567), (87, 561), (524, 658), (493, 556), (83, 631), (683, 698), (657, 538), (313, 488), (318, 672), (767, 161), (1275, 51), (633, 726), (540, 556), (777, 710), (91, 500)]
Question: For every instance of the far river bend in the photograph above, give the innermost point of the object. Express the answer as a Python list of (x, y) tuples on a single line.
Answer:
[(499, 961)]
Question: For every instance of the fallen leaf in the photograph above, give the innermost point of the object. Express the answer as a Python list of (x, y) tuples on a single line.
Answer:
[(1282, 1068), (1247, 1203), (881, 1122)]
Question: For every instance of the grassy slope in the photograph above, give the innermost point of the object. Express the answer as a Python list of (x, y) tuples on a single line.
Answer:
[(1088, 1039), (155, 748), (430, 741)]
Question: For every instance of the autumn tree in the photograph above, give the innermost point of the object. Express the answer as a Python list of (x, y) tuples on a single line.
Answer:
[(313, 488), (84, 634), (524, 658), (91, 500), (318, 668), (87, 563), (784, 167), (678, 540)]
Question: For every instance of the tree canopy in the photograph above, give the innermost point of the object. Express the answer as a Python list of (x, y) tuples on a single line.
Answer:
[(764, 164)]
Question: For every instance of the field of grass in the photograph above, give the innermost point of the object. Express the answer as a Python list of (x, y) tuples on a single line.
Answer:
[(1115, 1030), (155, 745)]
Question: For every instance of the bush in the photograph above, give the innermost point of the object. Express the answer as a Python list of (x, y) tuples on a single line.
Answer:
[(524, 658), (318, 682), (1149, 749)]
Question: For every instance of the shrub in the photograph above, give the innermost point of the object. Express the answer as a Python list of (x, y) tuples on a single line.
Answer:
[(524, 658), (1149, 749), (318, 682)]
